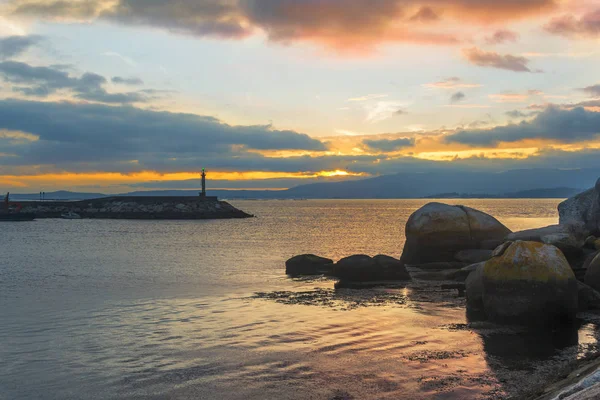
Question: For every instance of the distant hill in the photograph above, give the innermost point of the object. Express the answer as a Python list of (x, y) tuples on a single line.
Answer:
[(525, 183), (552, 193), (426, 184)]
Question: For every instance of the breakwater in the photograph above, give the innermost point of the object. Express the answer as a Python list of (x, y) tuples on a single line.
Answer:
[(141, 207)]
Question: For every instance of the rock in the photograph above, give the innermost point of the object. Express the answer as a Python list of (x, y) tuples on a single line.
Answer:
[(535, 235), (583, 208), (436, 232), (531, 283), (590, 241), (597, 244), (434, 275), (463, 273), (474, 290), (439, 265), (390, 268), (498, 251), (368, 285), (491, 244), (308, 264), (592, 276), (362, 268), (589, 299), (473, 256), (566, 242)]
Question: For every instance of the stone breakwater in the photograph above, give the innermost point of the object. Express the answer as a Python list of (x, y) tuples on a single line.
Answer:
[(138, 208)]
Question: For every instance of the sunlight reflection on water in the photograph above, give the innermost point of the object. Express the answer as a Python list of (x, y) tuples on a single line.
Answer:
[(135, 309)]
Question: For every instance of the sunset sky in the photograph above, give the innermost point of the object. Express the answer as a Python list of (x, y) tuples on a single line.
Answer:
[(120, 95)]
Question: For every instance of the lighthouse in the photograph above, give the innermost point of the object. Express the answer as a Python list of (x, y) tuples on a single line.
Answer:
[(203, 193)]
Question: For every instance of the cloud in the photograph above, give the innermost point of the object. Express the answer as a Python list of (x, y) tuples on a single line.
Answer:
[(44, 81), (494, 60), (451, 83), (519, 114), (565, 126), (568, 25), (425, 14), (382, 110), (99, 136), (457, 97), (593, 90), (387, 145), (127, 81), (341, 24), (13, 46), (502, 36), (368, 97)]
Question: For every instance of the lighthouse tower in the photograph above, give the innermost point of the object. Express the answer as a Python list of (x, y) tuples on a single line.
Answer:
[(203, 193)]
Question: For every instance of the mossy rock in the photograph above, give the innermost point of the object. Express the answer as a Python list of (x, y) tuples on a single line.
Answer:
[(529, 283)]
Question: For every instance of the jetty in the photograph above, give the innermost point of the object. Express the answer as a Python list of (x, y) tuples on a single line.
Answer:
[(137, 207)]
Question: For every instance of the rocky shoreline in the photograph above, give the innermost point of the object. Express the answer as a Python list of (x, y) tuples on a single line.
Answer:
[(541, 280), (144, 208)]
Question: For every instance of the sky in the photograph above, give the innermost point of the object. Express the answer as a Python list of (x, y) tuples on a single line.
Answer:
[(120, 95)]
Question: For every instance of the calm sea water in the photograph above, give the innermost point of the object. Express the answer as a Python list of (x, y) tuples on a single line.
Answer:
[(169, 310)]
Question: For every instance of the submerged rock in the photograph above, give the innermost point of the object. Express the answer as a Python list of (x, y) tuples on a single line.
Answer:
[(436, 232), (363, 268), (531, 283), (308, 264)]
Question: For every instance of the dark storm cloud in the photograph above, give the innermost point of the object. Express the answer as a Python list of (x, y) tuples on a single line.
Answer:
[(494, 60), (43, 81), (387, 145), (98, 134), (127, 81), (338, 23), (457, 97), (566, 126), (588, 25), (13, 46)]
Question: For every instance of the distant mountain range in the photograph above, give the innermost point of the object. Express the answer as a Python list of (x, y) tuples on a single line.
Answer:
[(527, 183)]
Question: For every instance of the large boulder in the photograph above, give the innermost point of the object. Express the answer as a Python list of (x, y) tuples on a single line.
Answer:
[(592, 275), (362, 268), (436, 232), (529, 283), (582, 208), (308, 264)]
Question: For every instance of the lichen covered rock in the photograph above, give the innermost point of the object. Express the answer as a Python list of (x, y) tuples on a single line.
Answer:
[(529, 283)]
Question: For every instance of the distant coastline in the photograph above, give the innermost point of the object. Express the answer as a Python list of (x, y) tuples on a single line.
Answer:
[(549, 193)]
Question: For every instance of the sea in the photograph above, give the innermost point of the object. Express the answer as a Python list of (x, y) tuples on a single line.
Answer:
[(119, 309)]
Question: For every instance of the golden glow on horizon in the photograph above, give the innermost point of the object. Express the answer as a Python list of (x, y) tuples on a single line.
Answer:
[(112, 179)]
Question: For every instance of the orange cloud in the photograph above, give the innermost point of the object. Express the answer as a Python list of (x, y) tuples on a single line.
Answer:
[(341, 24)]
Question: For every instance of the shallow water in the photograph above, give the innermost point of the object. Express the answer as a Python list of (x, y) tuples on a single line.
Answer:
[(202, 309)]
